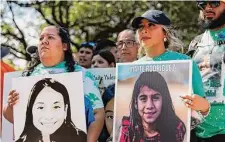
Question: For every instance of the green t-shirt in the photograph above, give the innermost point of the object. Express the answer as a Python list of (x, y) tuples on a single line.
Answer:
[(208, 55), (170, 55)]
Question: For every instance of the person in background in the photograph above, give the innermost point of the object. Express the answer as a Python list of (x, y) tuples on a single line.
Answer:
[(106, 44), (127, 47), (108, 101), (109, 116), (207, 51), (55, 56), (85, 54), (103, 59)]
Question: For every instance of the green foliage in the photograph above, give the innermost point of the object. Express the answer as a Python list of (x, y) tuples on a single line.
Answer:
[(92, 20), (184, 15)]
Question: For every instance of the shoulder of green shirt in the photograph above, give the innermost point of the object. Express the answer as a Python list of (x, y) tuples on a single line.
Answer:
[(179, 55)]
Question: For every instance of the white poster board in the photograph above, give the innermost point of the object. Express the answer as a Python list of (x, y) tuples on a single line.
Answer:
[(148, 96), (48, 105)]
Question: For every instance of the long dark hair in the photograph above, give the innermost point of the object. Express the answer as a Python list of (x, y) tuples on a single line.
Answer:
[(64, 35), (67, 131), (167, 122)]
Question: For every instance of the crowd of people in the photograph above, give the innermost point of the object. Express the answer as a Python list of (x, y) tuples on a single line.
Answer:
[(151, 39)]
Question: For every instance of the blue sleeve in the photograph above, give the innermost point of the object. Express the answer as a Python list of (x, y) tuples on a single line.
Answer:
[(89, 113)]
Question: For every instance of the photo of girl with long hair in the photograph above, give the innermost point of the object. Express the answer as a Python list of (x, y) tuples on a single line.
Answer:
[(152, 116), (49, 120)]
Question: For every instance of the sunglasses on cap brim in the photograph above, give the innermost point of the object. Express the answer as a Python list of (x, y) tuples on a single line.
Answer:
[(202, 4)]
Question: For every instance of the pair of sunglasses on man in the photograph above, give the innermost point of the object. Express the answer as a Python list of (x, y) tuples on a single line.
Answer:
[(202, 4)]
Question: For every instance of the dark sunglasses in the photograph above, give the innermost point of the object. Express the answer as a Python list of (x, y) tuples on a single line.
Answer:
[(202, 4)]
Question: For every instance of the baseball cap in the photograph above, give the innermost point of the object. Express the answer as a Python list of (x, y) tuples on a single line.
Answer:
[(153, 16)]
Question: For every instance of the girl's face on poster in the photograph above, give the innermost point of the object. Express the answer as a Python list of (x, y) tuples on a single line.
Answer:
[(149, 104), (49, 111)]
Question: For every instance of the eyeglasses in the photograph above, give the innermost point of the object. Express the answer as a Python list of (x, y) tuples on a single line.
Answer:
[(202, 4), (128, 44)]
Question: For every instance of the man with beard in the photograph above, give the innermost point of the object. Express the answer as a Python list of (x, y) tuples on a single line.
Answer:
[(208, 50), (85, 54)]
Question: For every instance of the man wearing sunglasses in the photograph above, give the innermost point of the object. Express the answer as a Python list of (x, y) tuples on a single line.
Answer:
[(127, 47), (208, 50)]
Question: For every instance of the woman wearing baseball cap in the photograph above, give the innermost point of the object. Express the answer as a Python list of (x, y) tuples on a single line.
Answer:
[(157, 38)]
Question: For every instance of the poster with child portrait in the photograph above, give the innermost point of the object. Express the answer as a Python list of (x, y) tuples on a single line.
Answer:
[(148, 103), (50, 108)]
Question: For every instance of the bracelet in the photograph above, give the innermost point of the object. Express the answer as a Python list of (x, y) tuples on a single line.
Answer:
[(205, 115)]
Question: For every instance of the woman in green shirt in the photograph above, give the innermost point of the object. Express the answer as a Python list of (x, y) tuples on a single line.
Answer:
[(155, 35)]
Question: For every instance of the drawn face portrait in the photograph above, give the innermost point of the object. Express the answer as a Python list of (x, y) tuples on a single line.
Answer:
[(149, 104), (49, 111)]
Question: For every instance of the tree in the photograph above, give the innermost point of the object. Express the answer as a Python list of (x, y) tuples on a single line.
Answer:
[(90, 21)]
